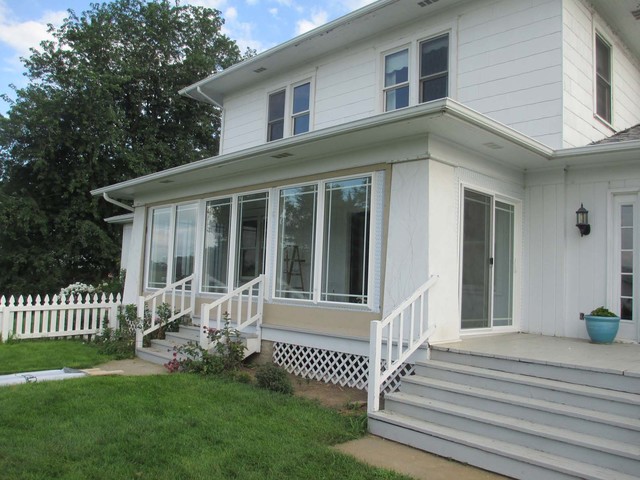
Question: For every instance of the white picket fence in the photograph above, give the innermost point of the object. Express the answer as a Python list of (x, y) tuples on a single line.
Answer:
[(57, 316)]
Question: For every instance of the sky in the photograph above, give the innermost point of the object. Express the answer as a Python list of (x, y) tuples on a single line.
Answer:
[(258, 24)]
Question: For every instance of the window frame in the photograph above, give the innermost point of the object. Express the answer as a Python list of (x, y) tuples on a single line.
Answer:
[(375, 180), (386, 89), (289, 115), (447, 72), (171, 244), (599, 37), (283, 119), (232, 241)]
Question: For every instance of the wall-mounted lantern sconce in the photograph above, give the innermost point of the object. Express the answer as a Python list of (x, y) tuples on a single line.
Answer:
[(582, 221)]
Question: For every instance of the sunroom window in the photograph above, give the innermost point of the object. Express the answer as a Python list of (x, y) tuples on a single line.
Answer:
[(234, 241), (171, 244), (339, 252)]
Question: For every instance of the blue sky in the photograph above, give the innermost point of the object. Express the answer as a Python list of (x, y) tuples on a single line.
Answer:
[(259, 24)]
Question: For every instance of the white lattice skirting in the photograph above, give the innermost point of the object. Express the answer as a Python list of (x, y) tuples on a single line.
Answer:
[(327, 366)]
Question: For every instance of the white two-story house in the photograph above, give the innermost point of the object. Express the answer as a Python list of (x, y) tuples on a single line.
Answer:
[(439, 142)]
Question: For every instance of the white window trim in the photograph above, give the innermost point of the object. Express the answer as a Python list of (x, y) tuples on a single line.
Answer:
[(173, 207), (288, 107), (374, 255), (414, 64), (598, 32), (517, 258), (382, 88), (233, 238)]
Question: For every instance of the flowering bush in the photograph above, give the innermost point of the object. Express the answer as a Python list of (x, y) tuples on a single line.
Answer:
[(77, 288)]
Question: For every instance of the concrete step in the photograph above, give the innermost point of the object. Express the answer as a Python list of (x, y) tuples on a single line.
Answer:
[(550, 439), (581, 420), (498, 456), (582, 396), (580, 375)]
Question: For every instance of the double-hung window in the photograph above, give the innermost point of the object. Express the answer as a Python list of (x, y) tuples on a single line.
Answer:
[(275, 127), (323, 241), (234, 241), (434, 68), (296, 100), (396, 80), (603, 79), (171, 244)]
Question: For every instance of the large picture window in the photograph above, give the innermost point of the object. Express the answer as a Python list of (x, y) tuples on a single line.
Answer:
[(235, 241), (339, 252), (171, 244)]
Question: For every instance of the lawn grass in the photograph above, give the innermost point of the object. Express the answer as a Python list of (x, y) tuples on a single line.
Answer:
[(170, 427), (32, 355)]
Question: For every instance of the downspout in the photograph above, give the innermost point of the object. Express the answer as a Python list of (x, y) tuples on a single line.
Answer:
[(117, 203)]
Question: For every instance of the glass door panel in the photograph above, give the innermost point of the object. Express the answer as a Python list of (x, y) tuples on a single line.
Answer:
[(503, 265), (476, 253)]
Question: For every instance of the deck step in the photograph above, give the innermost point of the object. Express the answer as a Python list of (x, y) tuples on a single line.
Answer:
[(583, 420), (494, 455), (584, 396)]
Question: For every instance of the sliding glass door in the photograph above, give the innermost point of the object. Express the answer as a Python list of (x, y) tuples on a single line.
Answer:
[(487, 262)]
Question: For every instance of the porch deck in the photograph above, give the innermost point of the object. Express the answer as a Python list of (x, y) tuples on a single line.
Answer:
[(618, 358)]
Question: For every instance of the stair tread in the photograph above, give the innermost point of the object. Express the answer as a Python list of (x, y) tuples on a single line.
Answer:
[(526, 426), (535, 403), (505, 449), (558, 385)]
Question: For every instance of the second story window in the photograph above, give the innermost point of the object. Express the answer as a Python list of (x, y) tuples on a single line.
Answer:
[(275, 130), (396, 80), (603, 79), (434, 68), (300, 114)]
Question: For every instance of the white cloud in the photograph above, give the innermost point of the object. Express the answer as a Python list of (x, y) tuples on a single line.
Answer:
[(273, 12), (318, 17), (21, 36), (231, 14)]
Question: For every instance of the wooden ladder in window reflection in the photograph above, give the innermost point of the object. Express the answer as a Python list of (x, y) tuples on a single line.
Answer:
[(294, 266)]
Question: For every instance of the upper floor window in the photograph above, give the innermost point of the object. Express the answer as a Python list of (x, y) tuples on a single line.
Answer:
[(296, 100), (603, 79), (434, 68), (275, 129), (300, 113), (396, 80)]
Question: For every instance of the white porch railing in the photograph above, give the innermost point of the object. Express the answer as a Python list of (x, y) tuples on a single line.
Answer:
[(180, 298), (245, 312), (400, 334), (57, 316)]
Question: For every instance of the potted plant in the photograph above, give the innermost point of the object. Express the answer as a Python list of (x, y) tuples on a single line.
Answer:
[(602, 325)]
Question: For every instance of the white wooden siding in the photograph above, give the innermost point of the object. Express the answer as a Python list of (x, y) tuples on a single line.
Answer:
[(580, 125)]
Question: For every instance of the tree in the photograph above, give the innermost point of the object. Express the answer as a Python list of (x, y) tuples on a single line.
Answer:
[(101, 106)]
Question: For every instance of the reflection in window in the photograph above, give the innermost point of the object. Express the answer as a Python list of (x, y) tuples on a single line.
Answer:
[(603, 79), (346, 241), (252, 234), (275, 127), (434, 68), (300, 112), (396, 80), (159, 248), (296, 236), (216, 246), (185, 241)]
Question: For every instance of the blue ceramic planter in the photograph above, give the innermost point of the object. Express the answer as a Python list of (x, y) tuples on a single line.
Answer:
[(602, 329)]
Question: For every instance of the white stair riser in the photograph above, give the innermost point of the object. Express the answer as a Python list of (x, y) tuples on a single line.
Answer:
[(589, 426), (533, 391), (462, 453), (570, 375), (507, 433)]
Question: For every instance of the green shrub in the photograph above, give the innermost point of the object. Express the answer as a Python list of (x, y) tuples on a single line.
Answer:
[(274, 378), (602, 312)]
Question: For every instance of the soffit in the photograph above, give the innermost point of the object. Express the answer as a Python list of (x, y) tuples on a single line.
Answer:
[(619, 15)]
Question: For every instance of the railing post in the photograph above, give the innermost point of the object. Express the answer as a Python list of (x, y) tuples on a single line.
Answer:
[(6, 322), (375, 352), (140, 325), (204, 327)]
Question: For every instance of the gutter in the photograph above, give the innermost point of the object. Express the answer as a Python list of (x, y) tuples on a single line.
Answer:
[(116, 202)]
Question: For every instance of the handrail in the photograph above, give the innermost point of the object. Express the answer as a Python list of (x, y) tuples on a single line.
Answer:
[(237, 294), (177, 301), (399, 346)]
